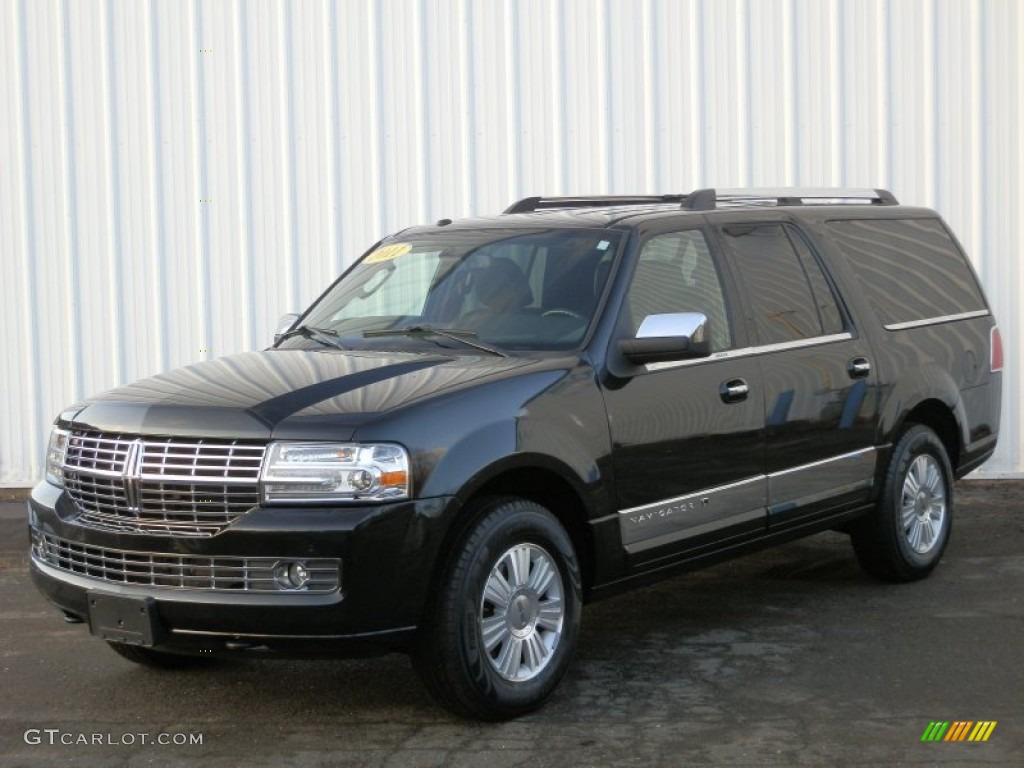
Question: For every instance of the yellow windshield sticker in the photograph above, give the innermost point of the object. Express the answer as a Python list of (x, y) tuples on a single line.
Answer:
[(387, 253)]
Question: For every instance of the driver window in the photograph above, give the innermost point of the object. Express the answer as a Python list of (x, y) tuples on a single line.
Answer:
[(675, 273)]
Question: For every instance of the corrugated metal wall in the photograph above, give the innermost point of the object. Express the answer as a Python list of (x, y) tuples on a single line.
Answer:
[(176, 175)]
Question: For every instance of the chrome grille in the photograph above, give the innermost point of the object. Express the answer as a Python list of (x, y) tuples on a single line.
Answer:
[(97, 454), (170, 487), (95, 495), (154, 569), (213, 460)]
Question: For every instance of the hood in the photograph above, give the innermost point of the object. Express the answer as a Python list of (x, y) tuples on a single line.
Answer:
[(301, 393)]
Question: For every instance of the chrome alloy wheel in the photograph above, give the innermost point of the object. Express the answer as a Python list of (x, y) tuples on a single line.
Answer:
[(522, 612), (923, 504)]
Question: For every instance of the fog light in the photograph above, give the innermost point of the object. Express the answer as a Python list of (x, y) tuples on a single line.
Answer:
[(291, 575)]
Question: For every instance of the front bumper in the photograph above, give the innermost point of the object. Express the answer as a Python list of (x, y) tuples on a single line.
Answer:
[(386, 556)]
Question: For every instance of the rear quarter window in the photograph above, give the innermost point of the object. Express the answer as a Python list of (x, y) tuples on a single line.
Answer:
[(911, 269)]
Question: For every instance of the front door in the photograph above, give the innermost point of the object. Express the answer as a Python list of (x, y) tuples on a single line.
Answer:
[(688, 435)]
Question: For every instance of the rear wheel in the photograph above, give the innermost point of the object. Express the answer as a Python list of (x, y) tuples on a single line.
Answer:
[(503, 625), (904, 537)]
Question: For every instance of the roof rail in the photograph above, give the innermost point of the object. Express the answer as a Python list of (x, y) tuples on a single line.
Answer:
[(708, 199), (530, 204)]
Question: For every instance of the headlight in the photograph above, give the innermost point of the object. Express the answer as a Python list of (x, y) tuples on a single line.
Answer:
[(334, 472), (55, 456)]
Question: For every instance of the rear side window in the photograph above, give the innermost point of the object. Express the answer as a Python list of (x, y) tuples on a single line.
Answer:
[(784, 305), (911, 269), (828, 307)]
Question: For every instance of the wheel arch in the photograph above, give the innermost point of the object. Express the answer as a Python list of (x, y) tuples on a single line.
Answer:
[(537, 480), (931, 397), (941, 419)]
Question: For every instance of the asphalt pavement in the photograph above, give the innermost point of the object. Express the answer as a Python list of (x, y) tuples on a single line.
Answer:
[(790, 657)]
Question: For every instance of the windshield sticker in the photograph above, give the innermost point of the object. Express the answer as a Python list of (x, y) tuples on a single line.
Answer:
[(603, 245), (387, 253)]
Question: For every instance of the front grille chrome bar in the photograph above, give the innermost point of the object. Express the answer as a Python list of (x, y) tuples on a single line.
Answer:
[(161, 486), (170, 571)]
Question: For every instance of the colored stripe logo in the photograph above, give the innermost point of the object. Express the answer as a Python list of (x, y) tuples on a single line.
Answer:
[(958, 730)]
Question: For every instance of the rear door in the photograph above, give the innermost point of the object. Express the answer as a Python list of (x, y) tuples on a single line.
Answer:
[(819, 383)]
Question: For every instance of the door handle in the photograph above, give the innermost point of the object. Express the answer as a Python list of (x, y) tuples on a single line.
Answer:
[(733, 391), (858, 368)]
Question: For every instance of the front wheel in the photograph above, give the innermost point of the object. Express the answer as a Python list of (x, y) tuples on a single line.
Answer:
[(503, 626), (905, 536)]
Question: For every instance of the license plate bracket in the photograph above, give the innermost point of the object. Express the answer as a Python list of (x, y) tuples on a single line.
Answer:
[(121, 619)]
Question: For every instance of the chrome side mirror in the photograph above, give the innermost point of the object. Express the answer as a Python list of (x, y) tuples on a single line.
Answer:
[(693, 325), (284, 325), (674, 336)]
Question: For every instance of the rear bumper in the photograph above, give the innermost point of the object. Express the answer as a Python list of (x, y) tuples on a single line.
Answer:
[(976, 454), (385, 553), (981, 407)]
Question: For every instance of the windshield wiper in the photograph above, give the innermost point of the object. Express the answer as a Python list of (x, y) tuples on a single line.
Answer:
[(455, 334), (325, 336)]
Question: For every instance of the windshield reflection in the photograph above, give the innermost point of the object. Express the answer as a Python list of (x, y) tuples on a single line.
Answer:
[(503, 288)]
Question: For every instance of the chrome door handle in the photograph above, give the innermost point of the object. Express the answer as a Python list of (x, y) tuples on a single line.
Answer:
[(858, 368), (733, 390)]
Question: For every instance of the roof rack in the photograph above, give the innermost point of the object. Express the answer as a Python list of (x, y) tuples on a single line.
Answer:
[(531, 204), (708, 199)]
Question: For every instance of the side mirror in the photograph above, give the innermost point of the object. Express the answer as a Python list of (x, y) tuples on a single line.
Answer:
[(662, 338), (284, 325)]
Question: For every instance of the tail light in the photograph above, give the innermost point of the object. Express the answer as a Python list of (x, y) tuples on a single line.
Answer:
[(995, 347)]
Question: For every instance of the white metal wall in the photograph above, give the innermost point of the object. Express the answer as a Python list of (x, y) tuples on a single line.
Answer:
[(176, 175)]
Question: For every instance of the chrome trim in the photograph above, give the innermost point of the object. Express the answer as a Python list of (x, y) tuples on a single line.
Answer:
[(131, 477), (697, 530), (936, 320), (762, 349), (807, 483), (178, 572), (822, 462), (605, 519), (681, 517), (817, 340), (661, 522), (688, 496)]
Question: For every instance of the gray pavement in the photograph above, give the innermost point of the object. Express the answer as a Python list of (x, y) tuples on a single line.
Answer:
[(787, 657)]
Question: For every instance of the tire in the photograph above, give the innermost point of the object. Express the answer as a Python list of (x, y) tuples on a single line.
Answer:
[(149, 657), (904, 537), (502, 627)]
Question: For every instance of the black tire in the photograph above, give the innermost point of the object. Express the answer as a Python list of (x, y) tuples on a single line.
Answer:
[(885, 544), (149, 657), (457, 666)]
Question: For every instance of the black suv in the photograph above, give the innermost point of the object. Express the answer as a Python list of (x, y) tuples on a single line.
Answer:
[(483, 424)]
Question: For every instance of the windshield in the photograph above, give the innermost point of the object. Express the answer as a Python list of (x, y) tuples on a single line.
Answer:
[(504, 288)]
